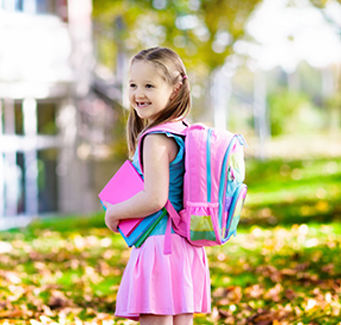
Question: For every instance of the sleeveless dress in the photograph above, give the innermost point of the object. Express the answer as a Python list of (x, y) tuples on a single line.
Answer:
[(155, 283)]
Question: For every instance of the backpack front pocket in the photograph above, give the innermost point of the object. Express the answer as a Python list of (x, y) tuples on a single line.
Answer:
[(203, 229)]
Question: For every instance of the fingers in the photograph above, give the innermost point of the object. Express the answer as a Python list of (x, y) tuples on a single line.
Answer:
[(107, 204)]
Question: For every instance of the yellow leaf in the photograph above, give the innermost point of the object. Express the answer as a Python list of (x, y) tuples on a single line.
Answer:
[(311, 304)]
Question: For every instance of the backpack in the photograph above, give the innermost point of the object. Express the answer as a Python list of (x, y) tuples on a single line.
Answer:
[(213, 190)]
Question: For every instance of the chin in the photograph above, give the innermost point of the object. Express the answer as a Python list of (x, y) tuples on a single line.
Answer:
[(142, 116)]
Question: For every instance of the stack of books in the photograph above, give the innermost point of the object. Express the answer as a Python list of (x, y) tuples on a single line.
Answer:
[(123, 185)]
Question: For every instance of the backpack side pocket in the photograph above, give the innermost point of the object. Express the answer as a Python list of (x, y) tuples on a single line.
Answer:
[(234, 211)]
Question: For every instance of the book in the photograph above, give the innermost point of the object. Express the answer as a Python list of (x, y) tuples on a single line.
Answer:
[(146, 234), (126, 183), (142, 230), (123, 185)]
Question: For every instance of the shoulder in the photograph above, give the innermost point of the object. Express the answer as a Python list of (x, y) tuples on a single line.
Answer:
[(162, 143), (159, 139)]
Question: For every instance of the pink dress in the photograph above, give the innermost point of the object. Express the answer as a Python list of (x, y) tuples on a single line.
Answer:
[(155, 283)]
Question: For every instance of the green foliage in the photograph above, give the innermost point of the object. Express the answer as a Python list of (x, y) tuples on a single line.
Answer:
[(333, 106), (293, 112), (202, 32)]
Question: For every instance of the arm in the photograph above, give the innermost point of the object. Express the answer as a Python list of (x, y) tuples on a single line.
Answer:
[(158, 152)]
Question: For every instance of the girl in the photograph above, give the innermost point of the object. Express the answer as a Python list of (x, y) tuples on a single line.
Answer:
[(158, 288)]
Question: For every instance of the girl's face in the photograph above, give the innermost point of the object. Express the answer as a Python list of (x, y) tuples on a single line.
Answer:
[(149, 92)]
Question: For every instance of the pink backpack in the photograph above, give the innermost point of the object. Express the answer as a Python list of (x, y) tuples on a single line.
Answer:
[(214, 192)]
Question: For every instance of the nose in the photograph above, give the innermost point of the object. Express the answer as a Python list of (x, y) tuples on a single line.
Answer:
[(139, 93)]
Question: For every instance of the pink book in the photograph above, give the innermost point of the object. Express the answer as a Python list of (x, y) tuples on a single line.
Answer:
[(123, 185)]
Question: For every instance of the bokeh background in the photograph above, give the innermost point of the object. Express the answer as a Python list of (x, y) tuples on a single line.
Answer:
[(268, 69)]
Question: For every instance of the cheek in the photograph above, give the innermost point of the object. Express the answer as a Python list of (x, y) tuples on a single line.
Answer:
[(131, 96)]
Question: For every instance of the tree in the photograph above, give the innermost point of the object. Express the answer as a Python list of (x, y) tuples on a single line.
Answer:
[(201, 31)]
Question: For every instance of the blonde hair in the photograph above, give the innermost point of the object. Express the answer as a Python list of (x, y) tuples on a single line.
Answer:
[(173, 71)]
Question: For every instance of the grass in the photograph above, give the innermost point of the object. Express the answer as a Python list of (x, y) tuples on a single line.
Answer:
[(282, 268), (293, 192), (284, 274)]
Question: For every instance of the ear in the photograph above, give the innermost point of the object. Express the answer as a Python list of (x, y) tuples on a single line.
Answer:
[(176, 89)]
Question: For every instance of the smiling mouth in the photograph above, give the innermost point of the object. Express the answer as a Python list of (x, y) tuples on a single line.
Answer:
[(142, 104)]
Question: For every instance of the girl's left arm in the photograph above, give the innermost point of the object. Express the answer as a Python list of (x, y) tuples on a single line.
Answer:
[(158, 152)]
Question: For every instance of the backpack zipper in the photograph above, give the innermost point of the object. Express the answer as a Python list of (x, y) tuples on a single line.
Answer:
[(208, 165), (223, 179)]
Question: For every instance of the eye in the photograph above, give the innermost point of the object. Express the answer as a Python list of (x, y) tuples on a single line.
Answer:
[(132, 85), (149, 86)]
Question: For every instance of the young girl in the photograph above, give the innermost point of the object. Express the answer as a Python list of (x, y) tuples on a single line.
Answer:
[(158, 288)]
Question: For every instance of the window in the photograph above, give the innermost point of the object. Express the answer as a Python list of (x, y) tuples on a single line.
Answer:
[(47, 118), (18, 118), (12, 5), (47, 180), (30, 6)]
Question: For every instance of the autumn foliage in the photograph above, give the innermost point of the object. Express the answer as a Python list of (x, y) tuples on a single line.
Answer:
[(276, 271)]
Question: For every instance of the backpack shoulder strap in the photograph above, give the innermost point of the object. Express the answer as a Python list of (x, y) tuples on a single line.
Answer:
[(177, 128)]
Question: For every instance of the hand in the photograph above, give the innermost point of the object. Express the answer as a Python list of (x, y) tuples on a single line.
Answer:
[(110, 221), (112, 224)]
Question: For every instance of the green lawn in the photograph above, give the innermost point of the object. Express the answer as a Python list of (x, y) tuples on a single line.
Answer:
[(283, 267), (293, 192)]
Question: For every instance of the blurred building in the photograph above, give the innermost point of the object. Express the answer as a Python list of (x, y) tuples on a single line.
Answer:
[(56, 114)]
